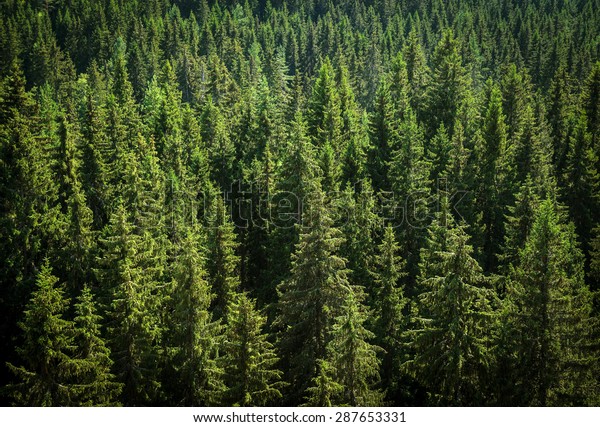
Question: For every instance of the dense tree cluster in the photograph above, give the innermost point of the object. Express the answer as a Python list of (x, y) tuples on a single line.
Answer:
[(299, 202)]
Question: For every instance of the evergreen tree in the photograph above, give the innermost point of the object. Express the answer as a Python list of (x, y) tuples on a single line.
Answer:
[(494, 193), (409, 172), (252, 377), (325, 115), (359, 223), (551, 316), (560, 116), (296, 182), (353, 358), (389, 310), (582, 183), (96, 385), (325, 391), (311, 298), (79, 236), (222, 261), (417, 71), (385, 134), (518, 224), (133, 321), (194, 339), (48, 374), (449, 84), (591, 104), (219, 145), (452, 343)]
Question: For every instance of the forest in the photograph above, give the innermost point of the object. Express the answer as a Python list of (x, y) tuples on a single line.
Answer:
[(300, 203)]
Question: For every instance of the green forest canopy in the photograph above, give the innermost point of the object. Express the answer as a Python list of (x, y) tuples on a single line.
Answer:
[(300, 203)]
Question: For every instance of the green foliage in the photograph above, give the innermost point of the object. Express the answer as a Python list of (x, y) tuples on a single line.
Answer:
[(96, 385), (46, 378), (312, 296), (194, 337), (451, 344), (390, 306), (222, 261), (133, 322), (550, 316), (252, 377), (212, 181), (353, 358)]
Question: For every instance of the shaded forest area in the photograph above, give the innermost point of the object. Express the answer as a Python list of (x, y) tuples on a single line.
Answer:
[(440, 160)]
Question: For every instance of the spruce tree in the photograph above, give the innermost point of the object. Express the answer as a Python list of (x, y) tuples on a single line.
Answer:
[(326, 391), (194, 338), (359, 221), (551, 316), (385, 134), (325, 115), (591, 104), (448, 87), (47, 376), (390, 308), (494, 192), (251, 375), (582, 183), (452, 344), (518, 224), (96, 385), (353, 358), (296, 181), (79, 243), (417, 71), (222, 260), (409, 173), (132, 318), (311, 297)]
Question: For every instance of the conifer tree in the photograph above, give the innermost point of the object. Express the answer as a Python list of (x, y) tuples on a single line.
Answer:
[(494, 193), (438, 155), (449, 84), (452, 345), (133, 321), (94, 149), (417, 71), (354, 159), (516, 97), (359, 222), (219, 145), (326, 391), (31, 221), (96, 385), (353, 358), (551, 316), (389, 309), (311, 297), (296, 174), (409, 172), (582, 183), (79, 245), (194, 337), (560, 116), (385, 134), (222, 260), (46, 379), (325, 115), (518, 224), (591, 104), (251, 375), (595, 260), (400, 87)]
